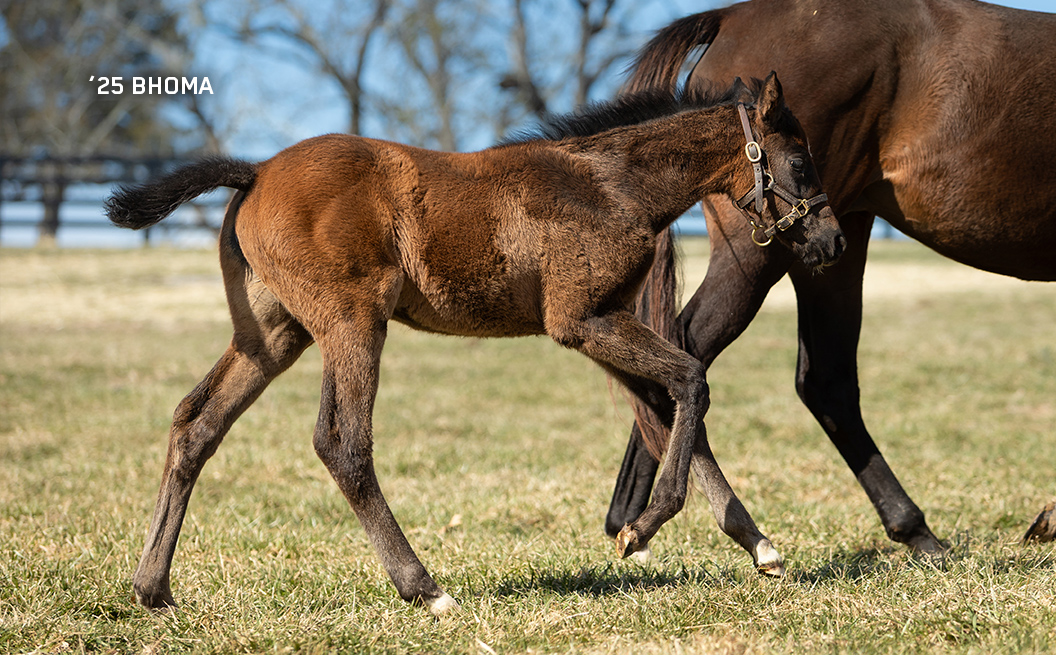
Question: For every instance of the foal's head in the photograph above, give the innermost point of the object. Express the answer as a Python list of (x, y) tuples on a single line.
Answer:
[(786, 202)]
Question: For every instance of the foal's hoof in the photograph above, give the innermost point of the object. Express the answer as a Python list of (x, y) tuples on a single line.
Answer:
[(441, 605), (1044, 526), (158, 602), (642, 556), (767, 560), (627, 542)]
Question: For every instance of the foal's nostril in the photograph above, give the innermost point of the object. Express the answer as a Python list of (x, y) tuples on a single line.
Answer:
[(839, 246)]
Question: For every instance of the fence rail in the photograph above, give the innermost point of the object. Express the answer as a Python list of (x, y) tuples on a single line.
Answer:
[(73, 183), (60, 184)]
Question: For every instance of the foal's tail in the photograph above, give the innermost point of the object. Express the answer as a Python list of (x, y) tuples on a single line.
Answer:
[(147, 204), (658, 67), (657, 307)]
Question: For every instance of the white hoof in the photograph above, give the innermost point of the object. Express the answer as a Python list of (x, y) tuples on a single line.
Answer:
[(767, 560), (442, 605)]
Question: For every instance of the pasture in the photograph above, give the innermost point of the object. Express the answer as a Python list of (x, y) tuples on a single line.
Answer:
[(498, 457)]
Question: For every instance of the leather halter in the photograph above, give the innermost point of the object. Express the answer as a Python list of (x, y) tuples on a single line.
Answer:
[(800, 206)]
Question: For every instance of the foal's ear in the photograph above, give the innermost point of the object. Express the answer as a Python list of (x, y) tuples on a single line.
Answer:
[(741, 92), (770, 103)]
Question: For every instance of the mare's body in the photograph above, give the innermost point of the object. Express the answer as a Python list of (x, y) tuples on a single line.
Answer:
[(937, 116)]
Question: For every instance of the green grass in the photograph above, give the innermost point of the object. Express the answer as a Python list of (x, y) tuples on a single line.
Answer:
[(498, 458)]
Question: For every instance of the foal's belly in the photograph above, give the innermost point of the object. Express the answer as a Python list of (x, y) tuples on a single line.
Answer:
[(499, 308)]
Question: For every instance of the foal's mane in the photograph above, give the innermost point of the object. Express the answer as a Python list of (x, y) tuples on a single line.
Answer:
[(632, 109)]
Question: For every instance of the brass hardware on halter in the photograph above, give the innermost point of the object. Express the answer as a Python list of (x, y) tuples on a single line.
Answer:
[(758, 156), (787, 221), (766, 233), (800, 206)]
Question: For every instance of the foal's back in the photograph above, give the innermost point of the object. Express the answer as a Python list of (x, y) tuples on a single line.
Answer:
[(465, 233)]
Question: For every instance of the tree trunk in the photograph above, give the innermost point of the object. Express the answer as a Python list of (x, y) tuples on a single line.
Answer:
[(52, 194)]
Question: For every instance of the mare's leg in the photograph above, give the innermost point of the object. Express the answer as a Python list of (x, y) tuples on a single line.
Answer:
[(634, 484), (351, 348), (267, 340), (1043, 528), (739, 276), (830, 318)]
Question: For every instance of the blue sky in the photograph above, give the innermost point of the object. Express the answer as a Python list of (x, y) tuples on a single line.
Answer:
[(264, 126), (275, 106)]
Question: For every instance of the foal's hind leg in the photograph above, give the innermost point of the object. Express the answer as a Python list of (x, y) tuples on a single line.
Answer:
[(351, 348), (267, 341)]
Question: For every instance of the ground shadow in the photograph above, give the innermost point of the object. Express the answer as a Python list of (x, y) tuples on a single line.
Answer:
[(606, 579), (852, 565), (846, 565)]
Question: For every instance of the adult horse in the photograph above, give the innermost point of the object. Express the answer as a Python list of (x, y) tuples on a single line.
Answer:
[(337, 235), (937, 115)]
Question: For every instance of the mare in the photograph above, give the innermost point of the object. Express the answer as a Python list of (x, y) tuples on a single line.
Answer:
[(336, 235), (936, 115)]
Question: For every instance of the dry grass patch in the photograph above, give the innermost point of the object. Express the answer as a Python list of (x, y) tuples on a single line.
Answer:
[(497, 458)]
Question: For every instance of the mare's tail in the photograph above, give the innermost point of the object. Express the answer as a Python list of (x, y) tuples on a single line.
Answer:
[(658, 67), (661, 60), (147, 204)]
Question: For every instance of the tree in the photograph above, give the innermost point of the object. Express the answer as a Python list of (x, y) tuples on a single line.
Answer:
[(598, 38), (426, 72), (330, 39), (52, 106), (438, 52), (54, 47)]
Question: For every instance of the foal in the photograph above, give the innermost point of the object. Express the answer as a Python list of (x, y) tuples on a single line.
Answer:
[(336, 235)]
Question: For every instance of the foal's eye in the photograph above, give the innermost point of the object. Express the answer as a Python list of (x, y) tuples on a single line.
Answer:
[(796, 163)]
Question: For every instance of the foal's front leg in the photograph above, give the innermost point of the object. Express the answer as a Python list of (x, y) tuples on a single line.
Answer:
[(730, 514), (632, 352), (622, 344)]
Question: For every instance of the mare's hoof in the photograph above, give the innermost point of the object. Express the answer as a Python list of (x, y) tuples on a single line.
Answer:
[(925, 542), (767, 560), (627, 542), (441, 605), (1044, 526)]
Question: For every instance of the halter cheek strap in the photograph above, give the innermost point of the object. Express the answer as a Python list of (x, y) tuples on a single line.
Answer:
[(754, 152), (800, 206)]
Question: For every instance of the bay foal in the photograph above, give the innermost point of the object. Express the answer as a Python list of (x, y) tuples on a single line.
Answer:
[(336, 235)]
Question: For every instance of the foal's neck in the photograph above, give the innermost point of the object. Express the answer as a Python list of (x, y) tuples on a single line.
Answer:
[(667, 165)]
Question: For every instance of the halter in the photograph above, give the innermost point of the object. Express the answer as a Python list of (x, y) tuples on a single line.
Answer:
[(800, 206)]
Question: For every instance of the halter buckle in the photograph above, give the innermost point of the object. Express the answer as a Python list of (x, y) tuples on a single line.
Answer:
[(751, 147), (786, 222)]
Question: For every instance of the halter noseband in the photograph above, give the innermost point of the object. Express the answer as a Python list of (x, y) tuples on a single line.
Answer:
[(800, 206)]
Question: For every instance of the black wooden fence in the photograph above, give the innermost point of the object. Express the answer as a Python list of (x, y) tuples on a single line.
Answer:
[(50, 180), (53, 182)]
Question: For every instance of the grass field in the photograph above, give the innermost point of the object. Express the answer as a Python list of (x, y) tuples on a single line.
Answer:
[(498, 458)]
